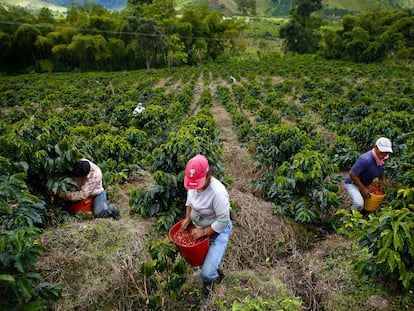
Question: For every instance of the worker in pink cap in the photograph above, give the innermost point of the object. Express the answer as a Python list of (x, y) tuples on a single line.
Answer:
[(208, 208)]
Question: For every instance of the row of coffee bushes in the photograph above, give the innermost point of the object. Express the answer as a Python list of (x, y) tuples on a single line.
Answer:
[(48, 123), (312, 120)]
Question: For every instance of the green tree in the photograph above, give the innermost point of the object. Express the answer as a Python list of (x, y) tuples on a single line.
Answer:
[(89, 49), (331, 46), (301, 33), (117, 51), (355, 42), (24, 44), (133, 2), (349, 22), (207, 34), (294, 34), (149, 40), (5, 48), (63, 56), (101, 23), (304, 8), (199, 50), (46, 16), (247, 7), (160, 10), (176, 51), (370, 37), (44, 47)]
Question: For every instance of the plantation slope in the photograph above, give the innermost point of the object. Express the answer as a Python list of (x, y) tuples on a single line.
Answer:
[(270, 256), (98, 261)]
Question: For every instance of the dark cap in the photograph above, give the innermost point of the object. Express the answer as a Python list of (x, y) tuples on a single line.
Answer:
[(81, 169)]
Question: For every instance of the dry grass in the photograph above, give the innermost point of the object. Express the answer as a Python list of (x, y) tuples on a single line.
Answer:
[(258, 237), (96, 261)]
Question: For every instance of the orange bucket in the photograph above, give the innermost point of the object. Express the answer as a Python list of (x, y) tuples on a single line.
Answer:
[(372, 203), (194, 254), (83, 206)]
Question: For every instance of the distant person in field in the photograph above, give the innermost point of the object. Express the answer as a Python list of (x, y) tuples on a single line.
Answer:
[(138, 109), (88, 177), (208, 208), (369, 167)]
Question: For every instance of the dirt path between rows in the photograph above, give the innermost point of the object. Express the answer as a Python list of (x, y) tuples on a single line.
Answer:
[(237, 161), (256, 233)]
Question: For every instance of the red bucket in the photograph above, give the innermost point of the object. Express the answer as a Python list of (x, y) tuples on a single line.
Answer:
[(83, 206), (194, 254)]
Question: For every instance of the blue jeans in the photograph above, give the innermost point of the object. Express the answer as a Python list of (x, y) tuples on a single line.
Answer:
[(215, 255), (101, 209), (356, 196)]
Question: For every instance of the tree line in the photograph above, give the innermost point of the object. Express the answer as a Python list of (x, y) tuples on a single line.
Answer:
[(150, 34), (368, 37), (91, 37)]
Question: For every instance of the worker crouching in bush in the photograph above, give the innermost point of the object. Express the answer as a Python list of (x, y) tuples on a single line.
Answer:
[(208, 208), (368, 167), (88, 178)]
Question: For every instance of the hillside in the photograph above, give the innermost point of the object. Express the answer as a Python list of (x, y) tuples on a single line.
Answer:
[(230, 7), (98, 261)]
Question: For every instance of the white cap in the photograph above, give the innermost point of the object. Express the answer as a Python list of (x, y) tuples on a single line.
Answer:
[(384, 144)]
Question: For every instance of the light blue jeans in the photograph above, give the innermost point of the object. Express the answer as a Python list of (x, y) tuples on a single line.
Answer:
[(101, 209), (356, 196), (215, 255)]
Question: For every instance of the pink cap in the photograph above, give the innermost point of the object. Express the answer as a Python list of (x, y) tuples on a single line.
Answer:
[(195, 172)]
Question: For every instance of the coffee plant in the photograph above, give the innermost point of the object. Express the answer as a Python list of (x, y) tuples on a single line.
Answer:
[(386, 240), (304, 188), (21, 213), (343, 152), (164, 275), (278, 144), (166, 198)]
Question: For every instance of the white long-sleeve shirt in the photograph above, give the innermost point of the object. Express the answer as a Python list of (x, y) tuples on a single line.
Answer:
[(210, 207)]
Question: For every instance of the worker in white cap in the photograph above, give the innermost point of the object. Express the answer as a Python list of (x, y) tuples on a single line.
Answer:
[(368, 167)]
